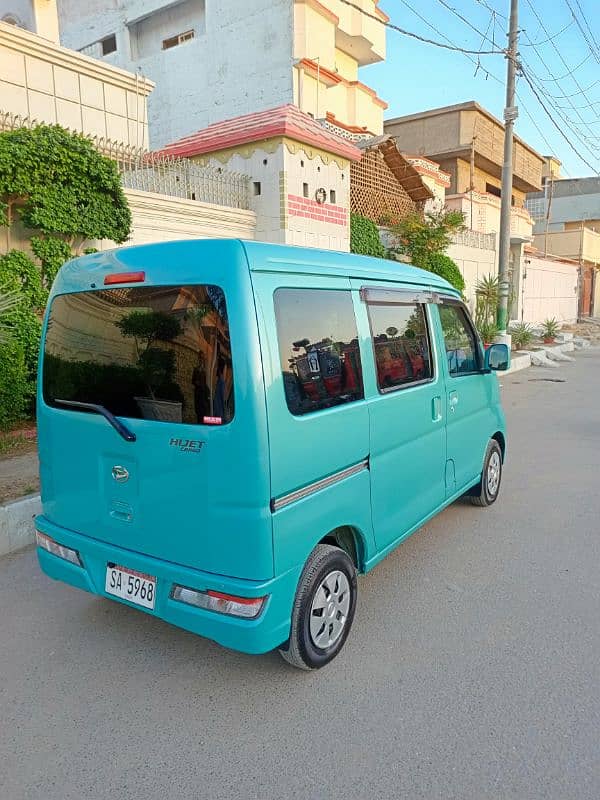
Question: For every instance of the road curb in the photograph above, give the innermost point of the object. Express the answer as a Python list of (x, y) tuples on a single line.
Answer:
[(549, 356), (16, 523)]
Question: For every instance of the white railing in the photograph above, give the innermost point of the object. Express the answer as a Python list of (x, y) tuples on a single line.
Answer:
[(167, 175), (181, 177), (483, 241)]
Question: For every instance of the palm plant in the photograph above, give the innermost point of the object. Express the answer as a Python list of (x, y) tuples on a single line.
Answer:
[(550, 328), (522, 335)]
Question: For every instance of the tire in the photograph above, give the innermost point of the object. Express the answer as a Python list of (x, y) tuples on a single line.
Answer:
[(487, 490), (328, 585)]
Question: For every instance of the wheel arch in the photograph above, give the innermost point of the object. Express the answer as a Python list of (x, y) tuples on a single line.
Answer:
[(349, 539), (501, 439)]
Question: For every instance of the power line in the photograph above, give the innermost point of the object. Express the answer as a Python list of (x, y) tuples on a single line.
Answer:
[(593, 50), (550, 38), (416, 36), (593, 36), (537, 16), (568, 74), (556, 125), (468, 54), (466, 21), (487, 72)]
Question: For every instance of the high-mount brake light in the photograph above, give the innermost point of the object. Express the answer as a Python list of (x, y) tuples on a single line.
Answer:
[(124, 277)]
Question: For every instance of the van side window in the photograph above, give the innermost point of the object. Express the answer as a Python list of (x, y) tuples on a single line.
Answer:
[(318, 348), (462, 349), (401, 345)]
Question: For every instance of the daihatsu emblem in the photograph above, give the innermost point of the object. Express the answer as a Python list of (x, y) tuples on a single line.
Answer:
[(120, 474)]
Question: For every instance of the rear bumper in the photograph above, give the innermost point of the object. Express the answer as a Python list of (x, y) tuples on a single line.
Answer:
[(268, 631)]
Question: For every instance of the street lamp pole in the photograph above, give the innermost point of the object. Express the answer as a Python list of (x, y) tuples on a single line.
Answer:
[(510, 114)]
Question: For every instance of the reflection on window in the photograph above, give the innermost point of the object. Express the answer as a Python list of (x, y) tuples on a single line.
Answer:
[(401, 343), (161, 353), (461, 347), (318, 348)]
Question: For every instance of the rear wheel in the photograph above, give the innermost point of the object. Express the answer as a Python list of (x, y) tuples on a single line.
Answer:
[(487, 490), (323, 608)]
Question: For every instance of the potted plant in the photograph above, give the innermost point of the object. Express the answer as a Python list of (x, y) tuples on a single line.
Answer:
[(155, 364), (488, 332), (550, 328), (486, 303), (521, 335)]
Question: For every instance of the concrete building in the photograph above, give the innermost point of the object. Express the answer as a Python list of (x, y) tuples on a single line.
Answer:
[(212, 60), (40, 80), (467, 142)]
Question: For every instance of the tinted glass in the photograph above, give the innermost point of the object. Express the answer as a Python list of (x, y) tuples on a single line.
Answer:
[(318, 348), (160, 353), (461, 346), (401, 344)]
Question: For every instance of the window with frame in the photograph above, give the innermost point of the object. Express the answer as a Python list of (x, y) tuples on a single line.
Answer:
[(318, 348), (401, 344), (462, 348), (173, 41)]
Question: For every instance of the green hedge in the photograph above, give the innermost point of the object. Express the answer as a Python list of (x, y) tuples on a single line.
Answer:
[(364, 237), (15, 389), (446, 268)]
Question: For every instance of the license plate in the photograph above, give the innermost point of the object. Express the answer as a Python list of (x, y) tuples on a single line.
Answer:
[(134, 586)]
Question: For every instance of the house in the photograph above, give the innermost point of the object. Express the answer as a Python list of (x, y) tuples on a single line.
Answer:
[(566, 214), (213, 61), (299, 171), (467, 142)]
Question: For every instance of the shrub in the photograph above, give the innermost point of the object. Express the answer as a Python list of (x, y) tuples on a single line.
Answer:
[(521, 334), (14, 387), (364, 237), (446, 268)]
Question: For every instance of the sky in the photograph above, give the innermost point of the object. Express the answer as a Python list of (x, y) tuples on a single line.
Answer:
[(418, 76)]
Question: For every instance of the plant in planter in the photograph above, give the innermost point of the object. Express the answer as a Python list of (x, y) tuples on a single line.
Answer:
[(156, 365), (488, 332), (486, 303), (550, 328), (521, 334)]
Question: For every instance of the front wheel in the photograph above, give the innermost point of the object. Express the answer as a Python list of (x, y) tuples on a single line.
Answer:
[(486, 492), (323, 608)]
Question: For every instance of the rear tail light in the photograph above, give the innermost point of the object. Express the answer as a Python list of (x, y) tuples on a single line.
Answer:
[(46, 543), (247, 607), (124, 277)]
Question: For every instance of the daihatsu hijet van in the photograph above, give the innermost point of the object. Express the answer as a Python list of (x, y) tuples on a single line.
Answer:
[(230, 431)]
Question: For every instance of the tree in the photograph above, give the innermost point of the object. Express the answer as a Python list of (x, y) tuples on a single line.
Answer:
[(66, 192), (425, 238)]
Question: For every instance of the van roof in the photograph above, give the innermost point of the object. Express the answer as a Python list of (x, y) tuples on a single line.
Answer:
[(77, 273)]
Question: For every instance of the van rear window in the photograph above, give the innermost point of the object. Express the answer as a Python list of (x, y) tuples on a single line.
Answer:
[(160, 353)]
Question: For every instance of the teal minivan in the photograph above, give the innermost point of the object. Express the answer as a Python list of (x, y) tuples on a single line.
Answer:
[(229, 432)]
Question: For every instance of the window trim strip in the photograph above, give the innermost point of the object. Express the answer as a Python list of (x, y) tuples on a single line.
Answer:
[(381, 296), (299, 494)]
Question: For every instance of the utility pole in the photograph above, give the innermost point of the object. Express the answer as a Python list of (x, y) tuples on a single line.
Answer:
[(510, 114)]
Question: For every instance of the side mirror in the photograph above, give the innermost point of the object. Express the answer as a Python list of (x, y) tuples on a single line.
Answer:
[(497, 358)]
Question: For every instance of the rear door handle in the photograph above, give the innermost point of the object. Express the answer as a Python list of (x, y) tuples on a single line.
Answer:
[(436, 408), (453, 401)]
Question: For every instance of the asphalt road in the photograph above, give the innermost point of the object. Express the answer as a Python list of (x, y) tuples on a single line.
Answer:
[(472, 670)]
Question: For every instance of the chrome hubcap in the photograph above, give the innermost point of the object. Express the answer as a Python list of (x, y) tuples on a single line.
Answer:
[(329, 610), (493, 474)]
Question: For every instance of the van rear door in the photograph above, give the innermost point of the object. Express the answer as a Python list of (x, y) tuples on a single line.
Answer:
[(178, 371)]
